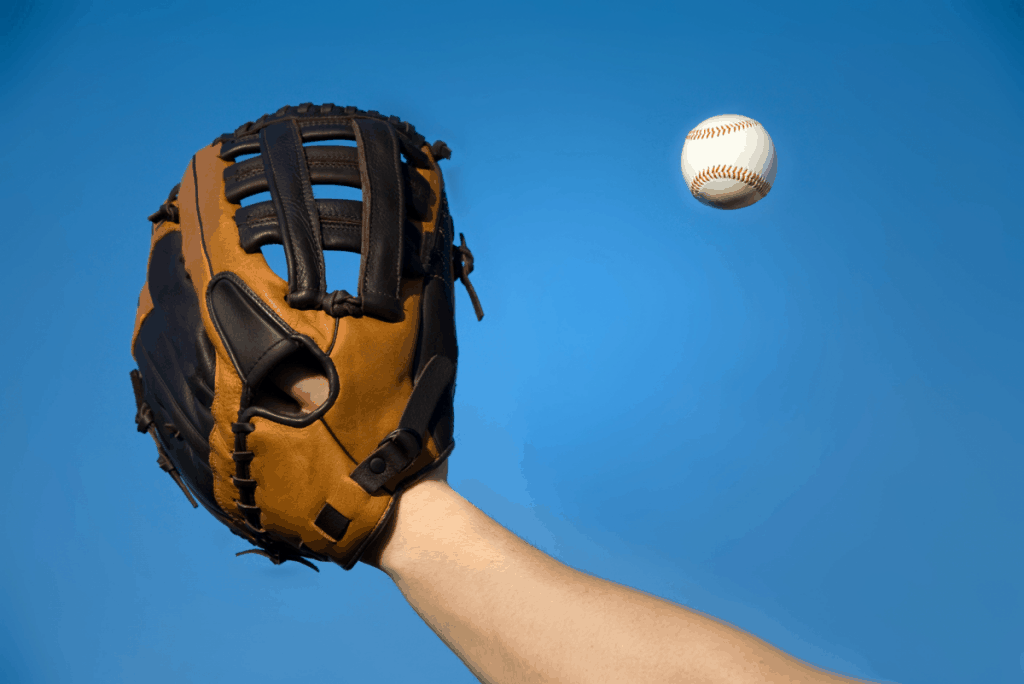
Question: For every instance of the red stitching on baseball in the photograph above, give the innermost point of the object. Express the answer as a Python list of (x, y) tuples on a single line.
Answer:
[(715, 131), (752, 179)]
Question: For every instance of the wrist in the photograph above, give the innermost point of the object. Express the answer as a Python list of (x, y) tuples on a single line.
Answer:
[(412, 508)]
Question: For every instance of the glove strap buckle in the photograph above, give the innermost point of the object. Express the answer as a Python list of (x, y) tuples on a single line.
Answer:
[(393, 454)]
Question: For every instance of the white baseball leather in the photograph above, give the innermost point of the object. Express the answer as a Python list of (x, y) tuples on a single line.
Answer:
[(729, 161)]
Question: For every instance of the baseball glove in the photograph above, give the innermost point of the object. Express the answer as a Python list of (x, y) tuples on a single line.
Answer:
[(294, 415)]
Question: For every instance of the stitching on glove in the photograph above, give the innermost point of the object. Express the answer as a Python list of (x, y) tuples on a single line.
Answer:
[(334, 337), (199, 216)]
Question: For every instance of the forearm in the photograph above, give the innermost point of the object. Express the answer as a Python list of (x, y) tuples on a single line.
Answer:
[(514, 614)]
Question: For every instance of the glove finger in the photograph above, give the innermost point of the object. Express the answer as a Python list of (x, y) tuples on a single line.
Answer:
[(212, 246), (177, 364)]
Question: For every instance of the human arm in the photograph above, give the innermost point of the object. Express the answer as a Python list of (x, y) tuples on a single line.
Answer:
[(514, 614)]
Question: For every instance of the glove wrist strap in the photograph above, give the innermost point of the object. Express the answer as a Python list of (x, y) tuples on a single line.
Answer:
[(398, 450)]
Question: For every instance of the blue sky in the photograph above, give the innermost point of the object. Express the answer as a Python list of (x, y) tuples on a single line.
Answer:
[(797, 416)]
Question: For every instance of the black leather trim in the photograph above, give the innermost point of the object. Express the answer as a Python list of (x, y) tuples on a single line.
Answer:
[(437, 331), (383, 219), (284, 165), (176, 417), (420, 194), (438, 338), (257, 340), (248, 333), (177, 364)]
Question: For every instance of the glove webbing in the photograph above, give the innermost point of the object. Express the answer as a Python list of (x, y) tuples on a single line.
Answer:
[(287, 175)]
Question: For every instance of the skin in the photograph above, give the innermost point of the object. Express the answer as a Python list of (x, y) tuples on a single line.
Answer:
[(513, 614), (308, 389)]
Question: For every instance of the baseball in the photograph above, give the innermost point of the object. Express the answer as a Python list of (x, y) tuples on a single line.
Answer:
[(729, 161)]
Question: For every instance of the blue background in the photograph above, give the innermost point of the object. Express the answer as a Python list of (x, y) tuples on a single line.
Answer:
[(798, 417)]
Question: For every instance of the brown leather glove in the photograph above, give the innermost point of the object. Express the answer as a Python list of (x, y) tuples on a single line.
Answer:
[(297, 416)]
